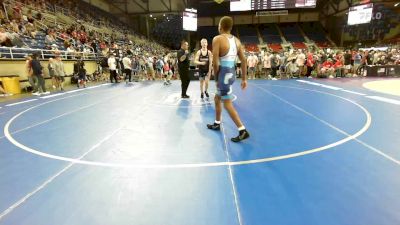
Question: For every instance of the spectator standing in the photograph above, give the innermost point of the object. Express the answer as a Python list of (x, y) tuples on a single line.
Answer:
[(51, 68), (347, 62), (310, 64), (112, 65), (37, 70), (252, 62), (274, 65), (266, 61), (127, 62), (183, 67), (60, 72), (29, 73), (300, 60)]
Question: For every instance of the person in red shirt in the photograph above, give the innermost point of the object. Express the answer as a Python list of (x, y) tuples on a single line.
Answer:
[(310, 63), (327, 68), (338, 66), (82, 36)]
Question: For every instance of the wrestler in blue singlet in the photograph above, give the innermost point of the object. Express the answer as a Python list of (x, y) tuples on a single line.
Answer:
[(227, 71)]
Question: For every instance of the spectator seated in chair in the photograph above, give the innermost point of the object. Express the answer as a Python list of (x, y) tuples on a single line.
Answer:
[(327, 69), (292, 70), (339, 68)]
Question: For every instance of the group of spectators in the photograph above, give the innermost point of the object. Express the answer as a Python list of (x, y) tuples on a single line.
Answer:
[(77, 39), (147, 66), (323, 63), (125, 54), (35, 73), (14, 24)]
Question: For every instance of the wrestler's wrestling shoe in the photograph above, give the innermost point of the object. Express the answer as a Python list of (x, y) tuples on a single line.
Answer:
[(214, 126), (243, 134)]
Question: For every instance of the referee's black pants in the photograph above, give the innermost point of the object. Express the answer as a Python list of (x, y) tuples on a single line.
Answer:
[(185, 80), (113, 75)]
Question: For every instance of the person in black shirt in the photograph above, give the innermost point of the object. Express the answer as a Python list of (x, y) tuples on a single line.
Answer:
[(183, 67), (347, 62), (80, 72), (38, 73)]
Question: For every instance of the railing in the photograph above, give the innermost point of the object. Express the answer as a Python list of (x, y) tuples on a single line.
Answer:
[(20, 53)]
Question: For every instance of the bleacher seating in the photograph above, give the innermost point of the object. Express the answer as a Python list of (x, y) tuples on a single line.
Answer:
[(299, 45), (316, 33), (248, 34), (252, 48), (323, 44), (292, 33), (270, 34), (275, 47), (107, 27), (169, 31)]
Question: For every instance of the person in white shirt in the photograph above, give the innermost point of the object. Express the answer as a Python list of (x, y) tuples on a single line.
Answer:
[(267, 65), (252, 62), (86, 52), (59, 72), (70, 52), (291, 68), (150, 68), (301, 59), (112, 65), (127, 62)]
